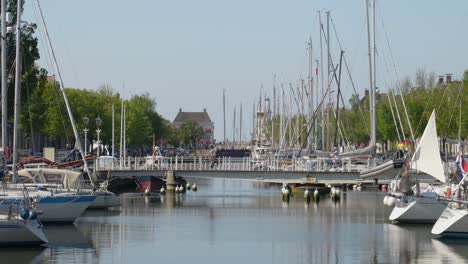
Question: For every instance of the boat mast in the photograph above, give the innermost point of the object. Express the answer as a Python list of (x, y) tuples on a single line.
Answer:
[(328, 81), (322, 80), (224, 115), (17, 89), (65, 98), (240, 124), (234, 128), (4, 81), (371, 83), (274, 113), (121, 126), (374, 116), (113, 135), (317, 100), (310, 97)]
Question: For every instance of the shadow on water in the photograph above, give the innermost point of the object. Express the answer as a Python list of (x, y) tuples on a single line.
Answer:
[(22, 255)]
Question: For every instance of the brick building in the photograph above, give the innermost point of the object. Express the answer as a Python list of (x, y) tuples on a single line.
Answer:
[(203, 119)]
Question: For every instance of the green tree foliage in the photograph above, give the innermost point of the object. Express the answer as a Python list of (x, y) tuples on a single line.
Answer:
[(190, 133)]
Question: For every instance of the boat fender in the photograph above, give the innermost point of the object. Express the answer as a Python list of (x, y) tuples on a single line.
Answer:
[(385, 200), (448, 192), (33, 214), (391, 201), (24, 214)]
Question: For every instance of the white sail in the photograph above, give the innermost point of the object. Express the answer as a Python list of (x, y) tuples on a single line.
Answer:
[(426, 158)]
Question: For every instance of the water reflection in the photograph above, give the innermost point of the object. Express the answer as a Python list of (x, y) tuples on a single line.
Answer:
[(244, 222)]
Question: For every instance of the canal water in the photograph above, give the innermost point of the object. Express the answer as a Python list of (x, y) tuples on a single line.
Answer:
[(233, 221)]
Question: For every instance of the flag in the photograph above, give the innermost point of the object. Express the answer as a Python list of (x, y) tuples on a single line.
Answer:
[(461, 165)]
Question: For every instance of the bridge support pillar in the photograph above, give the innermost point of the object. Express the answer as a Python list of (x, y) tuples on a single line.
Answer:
[(170, 180)]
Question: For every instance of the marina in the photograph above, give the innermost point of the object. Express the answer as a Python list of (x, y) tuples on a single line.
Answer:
[(320, 153), (226, 217)]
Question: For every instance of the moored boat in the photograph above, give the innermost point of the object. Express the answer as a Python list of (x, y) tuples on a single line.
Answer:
[(16, 231)]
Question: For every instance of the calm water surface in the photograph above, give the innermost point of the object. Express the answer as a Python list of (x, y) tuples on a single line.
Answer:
[(229, 221)]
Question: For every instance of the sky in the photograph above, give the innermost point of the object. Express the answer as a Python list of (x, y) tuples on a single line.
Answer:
[(184, 52)]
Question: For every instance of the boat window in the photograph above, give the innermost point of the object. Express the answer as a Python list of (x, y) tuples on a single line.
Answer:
[(53, 178)]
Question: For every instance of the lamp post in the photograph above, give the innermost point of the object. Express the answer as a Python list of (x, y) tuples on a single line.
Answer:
[(85, 129), (98, 131)]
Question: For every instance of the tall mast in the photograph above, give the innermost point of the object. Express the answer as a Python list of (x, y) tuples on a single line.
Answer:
[(65, 98), (121, 126), (254, 130), (328, 81), (274, 113), (224, 115), (234, 129), (124, 133), (374, 117), (113, 135), (311, 98), (4, 80), (371, 83), (17, 89), (323, 86), (240, 124), (281, 135), (316, 100)]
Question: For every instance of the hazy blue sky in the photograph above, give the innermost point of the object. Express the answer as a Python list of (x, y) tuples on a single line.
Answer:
[(184, 52)]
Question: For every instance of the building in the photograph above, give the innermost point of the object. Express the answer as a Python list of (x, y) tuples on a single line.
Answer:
[(203, 119)]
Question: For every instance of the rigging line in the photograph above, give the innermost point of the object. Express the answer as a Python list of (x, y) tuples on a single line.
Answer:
[(442, 98), (432, 93), (396, 106), (398, 113), (387, 82), (312, 120), (455, 106), (350, 76), (65, 99), (58, 102), (393, 116), (42, 42), (398, 79)]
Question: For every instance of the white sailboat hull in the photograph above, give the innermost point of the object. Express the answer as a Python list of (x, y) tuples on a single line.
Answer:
[(56, 209), (423, 209), (17, 232), (452, 222)]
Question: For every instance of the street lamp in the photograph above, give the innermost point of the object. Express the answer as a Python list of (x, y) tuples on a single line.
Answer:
[(85, 122), (98, 131)]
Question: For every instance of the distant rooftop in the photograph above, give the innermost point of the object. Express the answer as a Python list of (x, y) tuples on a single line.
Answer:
[(199, 117)]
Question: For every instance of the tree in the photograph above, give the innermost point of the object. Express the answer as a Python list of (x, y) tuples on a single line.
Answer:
[(173, 138), (139, 128), (191, 132), (465, 76)]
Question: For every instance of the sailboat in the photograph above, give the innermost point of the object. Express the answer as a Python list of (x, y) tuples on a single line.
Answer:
[(454, 219), (422, 205), (23, 228), (394, 166), (53, 208)]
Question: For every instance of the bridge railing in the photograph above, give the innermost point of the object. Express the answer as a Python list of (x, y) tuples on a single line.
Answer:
[(228, 164)]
